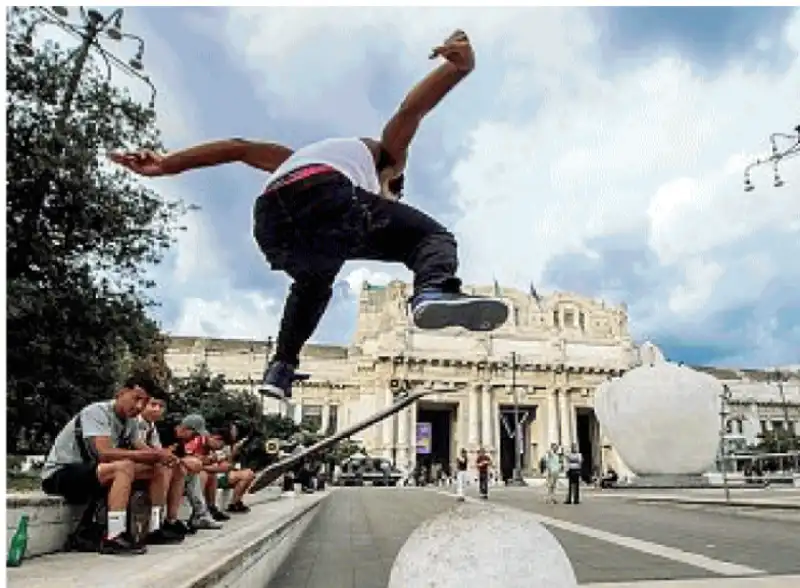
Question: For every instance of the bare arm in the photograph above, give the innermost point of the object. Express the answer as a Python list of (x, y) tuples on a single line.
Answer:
[(264, 156), (401, 128), (106, 452)]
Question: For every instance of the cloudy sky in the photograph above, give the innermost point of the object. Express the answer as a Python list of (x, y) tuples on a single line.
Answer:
[(597, 151)]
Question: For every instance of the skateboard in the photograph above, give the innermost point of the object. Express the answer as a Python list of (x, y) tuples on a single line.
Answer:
[(274, 471)]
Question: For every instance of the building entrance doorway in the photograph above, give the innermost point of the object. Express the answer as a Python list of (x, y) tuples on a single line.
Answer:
[(435, 439), (508, 445), (588, 433)]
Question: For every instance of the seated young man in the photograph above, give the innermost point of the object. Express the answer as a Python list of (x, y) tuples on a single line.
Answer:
[(198, 448), (99, 450), (152, 413), (175, 439), (224, 450)]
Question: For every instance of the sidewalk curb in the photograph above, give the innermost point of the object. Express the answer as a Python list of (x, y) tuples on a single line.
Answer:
[(261, 557), (739, 503)]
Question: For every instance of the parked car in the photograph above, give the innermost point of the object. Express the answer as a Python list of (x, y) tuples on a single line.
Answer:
[(368, 471)]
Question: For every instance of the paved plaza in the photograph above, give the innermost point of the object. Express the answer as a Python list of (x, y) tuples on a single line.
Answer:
[(609, 538)]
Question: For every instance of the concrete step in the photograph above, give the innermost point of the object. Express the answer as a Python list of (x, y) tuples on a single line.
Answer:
[(246, 552)]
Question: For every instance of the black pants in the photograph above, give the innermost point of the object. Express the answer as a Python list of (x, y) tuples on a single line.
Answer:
[(574, 488), (311, 227), (76, 483), (483, 482)]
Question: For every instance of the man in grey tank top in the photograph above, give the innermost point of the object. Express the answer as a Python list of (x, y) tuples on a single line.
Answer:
[(315, 216)]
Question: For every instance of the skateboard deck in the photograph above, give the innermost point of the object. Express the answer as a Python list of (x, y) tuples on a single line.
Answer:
[(274, 471)]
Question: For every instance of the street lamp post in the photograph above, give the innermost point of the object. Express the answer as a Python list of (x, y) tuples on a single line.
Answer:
[(517, 479), (725, 397), (777, 155), (780, 378), (92, 28), (89, 32)]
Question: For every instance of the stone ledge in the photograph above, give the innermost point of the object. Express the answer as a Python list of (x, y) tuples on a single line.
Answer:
[(246, 554), (51, 519)]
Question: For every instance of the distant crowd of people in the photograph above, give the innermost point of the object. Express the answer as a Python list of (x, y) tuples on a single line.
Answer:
[(111, 449)]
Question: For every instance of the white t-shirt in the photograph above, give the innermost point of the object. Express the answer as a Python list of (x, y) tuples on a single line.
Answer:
[(351, 157)]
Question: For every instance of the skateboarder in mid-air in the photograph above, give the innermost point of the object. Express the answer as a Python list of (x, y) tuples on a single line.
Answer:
[(338, 200)]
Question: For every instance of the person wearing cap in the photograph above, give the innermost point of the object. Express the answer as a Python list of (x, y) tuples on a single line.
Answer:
[(198, 447), (191, 427)]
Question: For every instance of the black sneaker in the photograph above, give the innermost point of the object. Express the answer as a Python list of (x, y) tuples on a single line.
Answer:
[(176, 527), (278, 380), (164, 536), (434, 309), (238, 507), (121, 545), (189, 526), (217, 514)]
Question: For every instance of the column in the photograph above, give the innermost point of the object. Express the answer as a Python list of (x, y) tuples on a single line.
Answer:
[(473, 425), (486, 418), (297, 413), (573, 423), (326, 416), (402, 437), (566, 419), (411, 435), (552, 418), (463, 423), (387, 424)]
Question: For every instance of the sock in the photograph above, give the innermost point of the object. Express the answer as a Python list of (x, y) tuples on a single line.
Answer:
[(155, 519), (117, 523)]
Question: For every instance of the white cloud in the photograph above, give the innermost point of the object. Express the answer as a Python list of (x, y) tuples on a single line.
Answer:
[(357, 277), (237, 315), (699, 285)]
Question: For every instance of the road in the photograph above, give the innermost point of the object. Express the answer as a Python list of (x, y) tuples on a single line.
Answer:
[(356, 535)]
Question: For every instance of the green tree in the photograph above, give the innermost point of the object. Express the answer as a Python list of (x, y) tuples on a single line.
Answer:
[(207, 394), (81, 237)]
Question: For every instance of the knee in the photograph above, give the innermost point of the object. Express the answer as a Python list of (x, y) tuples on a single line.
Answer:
[(124, 469), (162, 472), (249, 475), (192, 465)]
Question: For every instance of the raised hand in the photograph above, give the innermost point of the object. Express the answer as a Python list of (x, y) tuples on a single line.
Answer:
[(144, 163), (457, 50)]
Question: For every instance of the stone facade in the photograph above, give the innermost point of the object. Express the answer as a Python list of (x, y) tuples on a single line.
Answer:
[(564, 346)]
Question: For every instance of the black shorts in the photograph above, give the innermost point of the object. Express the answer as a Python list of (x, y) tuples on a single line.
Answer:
[(77, 483)]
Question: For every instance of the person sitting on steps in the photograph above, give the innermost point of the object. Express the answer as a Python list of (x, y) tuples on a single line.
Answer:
[(190, 427), (99, 450), (152, 413), (231, 478), (200, 447)]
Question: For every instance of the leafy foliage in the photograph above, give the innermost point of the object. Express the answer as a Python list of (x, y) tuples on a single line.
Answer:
[(81, 237), (208, 395)]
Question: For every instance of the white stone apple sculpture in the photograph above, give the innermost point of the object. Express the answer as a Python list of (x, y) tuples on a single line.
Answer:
[(662, 418), (482, 545)]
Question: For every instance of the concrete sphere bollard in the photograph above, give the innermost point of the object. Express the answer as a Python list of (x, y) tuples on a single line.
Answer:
[(482, 545), (662, 418)]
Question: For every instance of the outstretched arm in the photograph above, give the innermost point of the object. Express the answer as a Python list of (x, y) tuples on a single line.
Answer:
[(401, 128), (264, 156)]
